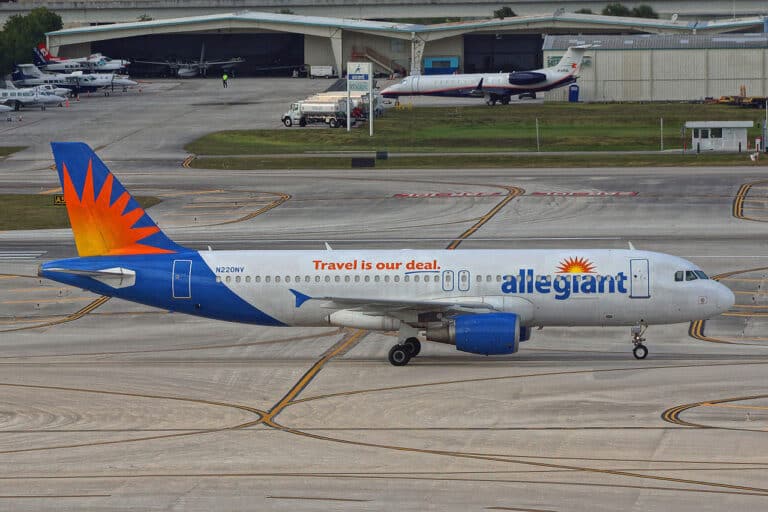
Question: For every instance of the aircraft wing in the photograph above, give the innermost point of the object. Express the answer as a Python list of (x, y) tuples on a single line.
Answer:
[(157, 63), (377, 307), (223, 62)]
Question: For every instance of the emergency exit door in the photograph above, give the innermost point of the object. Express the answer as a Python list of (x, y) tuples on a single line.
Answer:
[(181, 285), (639, 287)]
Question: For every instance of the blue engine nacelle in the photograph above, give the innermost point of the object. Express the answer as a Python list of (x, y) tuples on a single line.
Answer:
[(525, 333), (488, 334)]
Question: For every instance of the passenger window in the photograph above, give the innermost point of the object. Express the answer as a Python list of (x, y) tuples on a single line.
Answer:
[(266, 279), (407, 278), (298, 279), (367, 279), (287, 279), (218, 279), (327, 279), (229, 279), (437, 278), (277, 279), (690, 275), (479, 278), (306, 279), (247, 279), (337, 279), (346, 279), (415, 279), (376, 278), (498, 278), (357, 279), (257, 279), (488, 278), (679, 275), (701, 274), (317, 279), (397, 279), (386, 279)]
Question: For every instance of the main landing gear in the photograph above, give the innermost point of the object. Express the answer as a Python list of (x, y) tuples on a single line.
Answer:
[(401, 354), (640, 351)]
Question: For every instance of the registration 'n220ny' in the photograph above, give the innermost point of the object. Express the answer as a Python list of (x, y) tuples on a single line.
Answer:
[(230, 270)]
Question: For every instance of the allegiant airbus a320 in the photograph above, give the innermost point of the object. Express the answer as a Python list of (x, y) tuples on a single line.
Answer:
[(481, 301)]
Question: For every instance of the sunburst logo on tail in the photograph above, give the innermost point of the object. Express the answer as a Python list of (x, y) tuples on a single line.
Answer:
[(576, 266), (102, 226)]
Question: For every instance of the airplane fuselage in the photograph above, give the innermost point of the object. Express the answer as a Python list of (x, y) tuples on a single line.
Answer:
[(305, 288), (476, 85)]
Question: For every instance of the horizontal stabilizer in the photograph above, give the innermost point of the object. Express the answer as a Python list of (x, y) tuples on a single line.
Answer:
[(116, 277)]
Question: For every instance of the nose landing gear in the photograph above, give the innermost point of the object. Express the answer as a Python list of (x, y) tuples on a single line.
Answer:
[(640, 351)]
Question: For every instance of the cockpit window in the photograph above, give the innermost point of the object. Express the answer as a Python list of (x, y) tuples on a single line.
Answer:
[(679, 275), (404, 82), (690, 275), (701, 274)]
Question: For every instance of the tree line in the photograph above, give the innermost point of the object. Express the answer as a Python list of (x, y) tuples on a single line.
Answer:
[(22, 33), (612, 9)]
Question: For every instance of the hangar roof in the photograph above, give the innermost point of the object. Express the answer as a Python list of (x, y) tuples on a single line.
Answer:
[(659, 41), (313, 24)]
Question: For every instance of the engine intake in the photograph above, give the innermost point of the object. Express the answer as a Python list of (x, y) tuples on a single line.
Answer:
[(488, 334)]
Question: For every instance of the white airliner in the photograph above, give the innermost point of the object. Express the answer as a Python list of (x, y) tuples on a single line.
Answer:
[(481, 301), (493, 86)]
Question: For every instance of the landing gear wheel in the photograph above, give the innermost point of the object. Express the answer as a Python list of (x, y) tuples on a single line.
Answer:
[(640, 351), (505, 100), (399, 355), (413, 346)]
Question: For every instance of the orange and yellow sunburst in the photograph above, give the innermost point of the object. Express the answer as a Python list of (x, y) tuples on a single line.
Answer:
[(102, 229), (575, 266)]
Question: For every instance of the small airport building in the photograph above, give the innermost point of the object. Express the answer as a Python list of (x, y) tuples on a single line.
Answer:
[(719, 135)]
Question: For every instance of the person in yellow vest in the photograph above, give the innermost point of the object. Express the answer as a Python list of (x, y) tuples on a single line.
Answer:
[(224, 79)]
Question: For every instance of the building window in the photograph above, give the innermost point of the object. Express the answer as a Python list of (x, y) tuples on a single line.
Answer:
[(695, 133), (716, 133)]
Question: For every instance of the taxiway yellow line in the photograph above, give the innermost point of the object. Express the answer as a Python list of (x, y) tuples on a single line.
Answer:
[(512, 192)]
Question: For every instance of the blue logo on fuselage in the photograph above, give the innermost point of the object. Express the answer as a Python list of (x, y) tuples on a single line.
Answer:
[(563, 285)]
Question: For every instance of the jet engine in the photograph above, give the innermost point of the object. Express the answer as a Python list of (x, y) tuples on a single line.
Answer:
[(488, 334)]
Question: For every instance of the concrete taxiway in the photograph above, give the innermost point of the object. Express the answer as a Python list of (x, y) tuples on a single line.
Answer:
[(110, 405)]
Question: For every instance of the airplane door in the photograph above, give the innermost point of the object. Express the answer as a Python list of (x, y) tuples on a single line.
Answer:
[(639, 284), (447, 280), (181, 283), (463, 280)]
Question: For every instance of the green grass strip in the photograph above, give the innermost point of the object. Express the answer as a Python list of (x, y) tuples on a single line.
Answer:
[(37, 211)]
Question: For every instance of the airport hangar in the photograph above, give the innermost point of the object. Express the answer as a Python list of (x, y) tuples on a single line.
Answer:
[(276, 44)]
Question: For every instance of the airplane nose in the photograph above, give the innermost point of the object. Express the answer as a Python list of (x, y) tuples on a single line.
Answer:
[(725, 298)]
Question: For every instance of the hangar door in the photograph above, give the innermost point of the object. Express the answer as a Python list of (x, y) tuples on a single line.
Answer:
[(491, 53), (265, 54)]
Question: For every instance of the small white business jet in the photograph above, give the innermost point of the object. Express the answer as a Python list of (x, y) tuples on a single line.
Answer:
[(494, 87)]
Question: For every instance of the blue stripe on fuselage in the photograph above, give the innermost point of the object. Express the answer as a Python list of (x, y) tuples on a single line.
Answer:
[(154, 275)]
